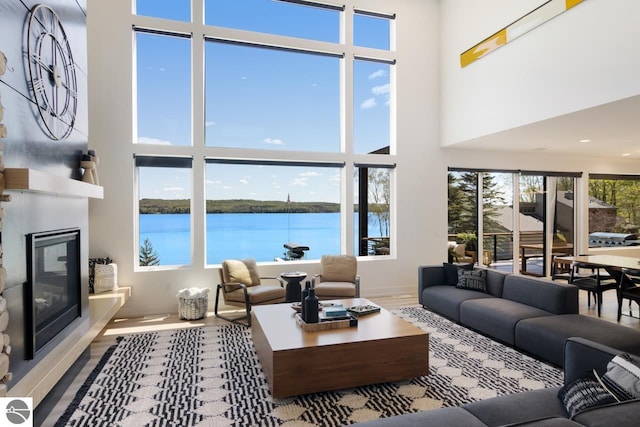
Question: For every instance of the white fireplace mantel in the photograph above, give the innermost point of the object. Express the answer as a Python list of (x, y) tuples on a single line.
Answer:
[(26, 179)]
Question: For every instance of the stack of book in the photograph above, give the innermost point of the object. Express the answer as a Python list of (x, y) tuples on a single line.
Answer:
[(334, 312)]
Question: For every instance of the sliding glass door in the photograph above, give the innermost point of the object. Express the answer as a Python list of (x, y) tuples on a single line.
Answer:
[(527, 218)]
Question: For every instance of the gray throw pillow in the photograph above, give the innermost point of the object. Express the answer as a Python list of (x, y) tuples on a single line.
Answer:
[(474, 280), (451, 272), (584, 393)]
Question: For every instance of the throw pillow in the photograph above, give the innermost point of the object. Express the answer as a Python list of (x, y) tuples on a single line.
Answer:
[(623, 376), (240, 271), (584, 393), (451, 272), (474, 280)]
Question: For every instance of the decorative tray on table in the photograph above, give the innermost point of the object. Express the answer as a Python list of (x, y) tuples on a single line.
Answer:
[(360, 310), (298, 306)]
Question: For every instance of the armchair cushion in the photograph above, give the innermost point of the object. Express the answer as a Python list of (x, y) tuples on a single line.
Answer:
[(338, 268), (243, 271)]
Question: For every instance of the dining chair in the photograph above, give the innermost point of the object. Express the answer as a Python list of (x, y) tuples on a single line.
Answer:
[(589, 277), (629, 289)]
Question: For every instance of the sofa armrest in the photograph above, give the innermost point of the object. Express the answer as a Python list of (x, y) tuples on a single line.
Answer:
[(582, 355), (429, 275)]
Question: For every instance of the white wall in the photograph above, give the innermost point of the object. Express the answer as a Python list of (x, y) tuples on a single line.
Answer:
[(580, 59)]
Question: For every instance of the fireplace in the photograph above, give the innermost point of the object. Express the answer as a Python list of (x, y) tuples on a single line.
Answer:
[(52, 294)]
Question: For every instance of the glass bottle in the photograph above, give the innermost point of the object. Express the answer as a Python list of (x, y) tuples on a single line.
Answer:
[(311, 307), (304, 294)]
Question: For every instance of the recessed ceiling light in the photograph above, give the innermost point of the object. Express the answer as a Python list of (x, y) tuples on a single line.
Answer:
[(626, 154), (539, 149), (585, 140)]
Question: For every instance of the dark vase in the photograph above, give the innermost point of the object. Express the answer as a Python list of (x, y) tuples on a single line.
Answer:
[(311, 307), (304, 294)]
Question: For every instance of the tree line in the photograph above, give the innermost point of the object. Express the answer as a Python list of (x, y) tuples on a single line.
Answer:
[(182, 206)]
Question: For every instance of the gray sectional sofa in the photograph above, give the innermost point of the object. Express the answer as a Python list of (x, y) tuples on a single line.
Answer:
[(531, 314), (539, 408), (536, 316)]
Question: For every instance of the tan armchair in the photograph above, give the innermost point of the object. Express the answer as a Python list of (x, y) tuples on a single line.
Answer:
[(338, 277), (241, 285)]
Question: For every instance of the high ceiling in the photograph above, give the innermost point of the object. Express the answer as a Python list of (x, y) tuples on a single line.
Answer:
[(606, 131)]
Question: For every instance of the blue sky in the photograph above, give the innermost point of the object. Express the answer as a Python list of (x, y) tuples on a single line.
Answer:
[(258, 98)]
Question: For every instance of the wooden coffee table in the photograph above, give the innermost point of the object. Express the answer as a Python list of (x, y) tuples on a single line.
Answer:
[(382, 348)]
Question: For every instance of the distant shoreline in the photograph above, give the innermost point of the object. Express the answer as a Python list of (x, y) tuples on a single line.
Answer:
[(182, 206)]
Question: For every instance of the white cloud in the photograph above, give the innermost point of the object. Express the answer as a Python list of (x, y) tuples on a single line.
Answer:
[(307, 174), (149, 140), (273, 141), (169, 189), (162, 69), (377, 74), (380, 90), (368, 104), (300, 182), (210, 182), (207, 124), (244, 181)]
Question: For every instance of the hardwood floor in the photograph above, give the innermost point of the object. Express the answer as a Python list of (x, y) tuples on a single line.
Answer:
[(57, 401)]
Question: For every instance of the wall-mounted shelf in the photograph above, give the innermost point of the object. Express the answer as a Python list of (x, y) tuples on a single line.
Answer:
[(32, 180)]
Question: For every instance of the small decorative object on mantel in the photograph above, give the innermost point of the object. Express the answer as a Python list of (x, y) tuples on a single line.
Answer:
[(106, 278), (89, 163), (92, 270)]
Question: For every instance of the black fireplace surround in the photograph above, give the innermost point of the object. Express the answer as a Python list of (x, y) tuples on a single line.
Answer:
[(53, 292)]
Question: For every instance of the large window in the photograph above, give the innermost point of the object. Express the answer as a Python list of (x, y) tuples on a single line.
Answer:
[(255, 210), (164, 211), (163, 89), (373, 210), (614, 210), (246, 127), (275, 99)]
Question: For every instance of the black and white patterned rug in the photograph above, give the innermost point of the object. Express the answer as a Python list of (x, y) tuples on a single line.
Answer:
[(211, 376)]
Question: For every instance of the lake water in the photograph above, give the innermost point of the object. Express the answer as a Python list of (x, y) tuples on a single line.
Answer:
[(255, 235)]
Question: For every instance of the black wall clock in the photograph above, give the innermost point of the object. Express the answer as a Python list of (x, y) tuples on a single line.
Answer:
[(52, 73)]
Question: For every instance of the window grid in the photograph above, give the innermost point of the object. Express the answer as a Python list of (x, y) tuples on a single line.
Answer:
[(199, 34)]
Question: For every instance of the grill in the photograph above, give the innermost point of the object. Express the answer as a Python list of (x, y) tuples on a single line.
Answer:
[(601, 239)]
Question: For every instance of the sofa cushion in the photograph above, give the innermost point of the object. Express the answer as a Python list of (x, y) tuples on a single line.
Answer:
[(545, 336), (497, 317), (546, 422), (624, 414), (457, 417), (518, 407), (495, 282), (554, 297), (446, 300), (584, 393), (474, 280)]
